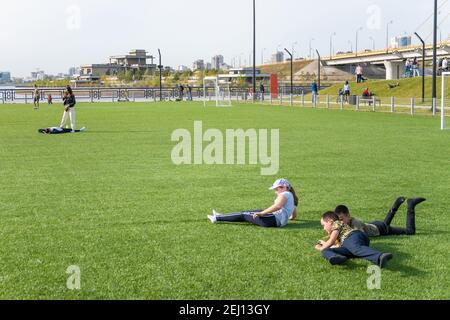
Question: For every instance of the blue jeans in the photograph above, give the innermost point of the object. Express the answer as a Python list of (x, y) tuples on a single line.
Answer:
[(355, 246), (268, 221)]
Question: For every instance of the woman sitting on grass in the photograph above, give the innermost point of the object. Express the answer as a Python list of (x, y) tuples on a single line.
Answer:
[(278, 215)]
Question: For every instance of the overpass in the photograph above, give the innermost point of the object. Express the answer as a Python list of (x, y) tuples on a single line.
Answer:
[(392, 59)]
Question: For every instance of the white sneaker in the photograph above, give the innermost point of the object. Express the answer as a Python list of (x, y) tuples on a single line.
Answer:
[(83, 129), (215, 213), (213, 219)]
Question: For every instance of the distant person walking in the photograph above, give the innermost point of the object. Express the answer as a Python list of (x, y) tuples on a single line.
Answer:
[(190, 92), (36, 97), (315, 92), (49, 99), (181, 92), (408, 69), (262, 90), (69, 108), (415, 68), (359, 74)]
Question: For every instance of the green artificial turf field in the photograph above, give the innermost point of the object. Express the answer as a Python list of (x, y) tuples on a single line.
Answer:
[(112, 202)]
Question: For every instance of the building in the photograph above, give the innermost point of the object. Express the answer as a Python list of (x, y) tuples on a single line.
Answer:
[(38, 75), (401, 42), (183, 69), (134, 61), (198, 65), (5, 77), (217, 62), (208, 66), (278, 57)]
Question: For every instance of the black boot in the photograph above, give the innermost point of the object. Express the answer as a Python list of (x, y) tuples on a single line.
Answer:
[(411, 215), (391, 214)]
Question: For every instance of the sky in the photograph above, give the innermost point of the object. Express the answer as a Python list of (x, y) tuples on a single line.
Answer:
[(54, 35)]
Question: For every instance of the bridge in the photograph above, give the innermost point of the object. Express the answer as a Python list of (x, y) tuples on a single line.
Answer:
[(392, 59)]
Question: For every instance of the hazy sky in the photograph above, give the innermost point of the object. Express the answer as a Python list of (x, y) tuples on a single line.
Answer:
[(54, 35)]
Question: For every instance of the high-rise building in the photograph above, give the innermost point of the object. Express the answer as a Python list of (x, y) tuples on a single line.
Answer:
[(5, 77), (199, 65), (217, 61), (401, 42), (278, 57)]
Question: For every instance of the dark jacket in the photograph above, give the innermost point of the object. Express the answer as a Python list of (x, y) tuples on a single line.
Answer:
[(70, 101)]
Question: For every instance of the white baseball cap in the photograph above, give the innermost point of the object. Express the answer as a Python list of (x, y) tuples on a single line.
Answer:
[(280, 183)]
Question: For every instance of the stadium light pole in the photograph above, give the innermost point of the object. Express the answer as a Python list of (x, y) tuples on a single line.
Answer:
[(435, 26), (387, 35), (373, 43), (423, 66), (254, 50), (318, 72), (160, 67), (331, 45), (356, 44), (292, 71)]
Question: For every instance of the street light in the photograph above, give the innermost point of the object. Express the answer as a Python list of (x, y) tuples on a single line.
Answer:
[(356, 45), (160, 67), (387, 35), (254, 50), (331, 45), (310, 47), (293, 49), (423, 66), (292, 72), (435, 26)]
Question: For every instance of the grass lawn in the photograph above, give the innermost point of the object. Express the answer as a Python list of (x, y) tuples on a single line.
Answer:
[(111, 202)]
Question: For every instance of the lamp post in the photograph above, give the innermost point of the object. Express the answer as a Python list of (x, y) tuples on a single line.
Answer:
[(387, 35), (160, 67), (254, 50), (318, 72), (435, 26), (356, 44), (292, 71), (373, 43), (331, 45), (310, 47), (423, 66)]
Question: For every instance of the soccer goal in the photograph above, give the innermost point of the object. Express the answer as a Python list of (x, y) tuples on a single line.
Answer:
[(445, 99), (216, 92)]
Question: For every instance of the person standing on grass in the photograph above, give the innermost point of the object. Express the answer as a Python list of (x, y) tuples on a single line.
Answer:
[(344, 243), (315, 91), (36, 97), (276, 216), (69, 108), (359, 74), (262, 90), (383, 228), (445, 65), (190, 92), (346, 91)]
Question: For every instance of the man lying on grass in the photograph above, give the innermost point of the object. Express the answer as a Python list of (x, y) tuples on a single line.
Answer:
[(58, 130), (383, 228), (345, 243)]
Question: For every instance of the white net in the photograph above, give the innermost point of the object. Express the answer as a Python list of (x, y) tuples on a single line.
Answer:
[(216, 93), (445, 101)]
